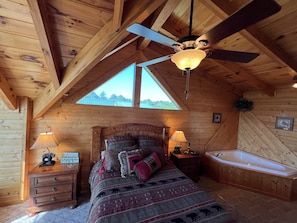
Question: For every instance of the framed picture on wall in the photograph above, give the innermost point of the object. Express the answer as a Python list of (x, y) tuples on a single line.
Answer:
[(284, 123), (217, 117)]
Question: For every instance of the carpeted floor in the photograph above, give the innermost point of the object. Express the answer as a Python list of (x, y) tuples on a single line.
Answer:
[(17, 213)]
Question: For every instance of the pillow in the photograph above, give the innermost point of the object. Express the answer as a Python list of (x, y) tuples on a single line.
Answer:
[(157, 149), (127, 160), (149, 141), (146, 167), (111, 162), (116, 142)]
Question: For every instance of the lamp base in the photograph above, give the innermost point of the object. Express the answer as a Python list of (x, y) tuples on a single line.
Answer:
[(177, 150)]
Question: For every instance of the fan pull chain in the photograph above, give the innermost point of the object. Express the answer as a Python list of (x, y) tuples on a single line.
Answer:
[(188, 75)]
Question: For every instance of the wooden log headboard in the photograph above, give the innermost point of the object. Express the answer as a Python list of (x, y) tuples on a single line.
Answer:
[(134, 129)]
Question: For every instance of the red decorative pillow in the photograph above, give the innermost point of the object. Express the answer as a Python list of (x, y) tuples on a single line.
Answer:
[(146, 167)]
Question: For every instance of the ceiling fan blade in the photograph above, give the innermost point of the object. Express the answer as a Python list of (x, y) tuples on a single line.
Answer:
[(151, 34), (154, 61), (234, 56), (249, 14)]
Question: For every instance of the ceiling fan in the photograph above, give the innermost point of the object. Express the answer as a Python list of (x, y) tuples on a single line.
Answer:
[(249, 14), (191, 50)]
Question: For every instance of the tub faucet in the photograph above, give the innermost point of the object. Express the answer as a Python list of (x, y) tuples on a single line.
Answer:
[(219, 154)]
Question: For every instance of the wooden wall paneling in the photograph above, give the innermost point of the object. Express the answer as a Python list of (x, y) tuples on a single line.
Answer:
[(261, 141), (226, 135), (13, 133)]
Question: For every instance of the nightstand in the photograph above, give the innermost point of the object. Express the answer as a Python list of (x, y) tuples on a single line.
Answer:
[(188, 164), (53, 187)]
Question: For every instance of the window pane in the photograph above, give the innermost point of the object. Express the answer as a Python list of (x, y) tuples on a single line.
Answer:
[(117, 91), (152, 94)]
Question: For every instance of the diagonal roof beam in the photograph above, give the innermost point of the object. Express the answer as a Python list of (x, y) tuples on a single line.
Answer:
[(6, 93), (118, 13), (42, 25), (223, 9), (102, 42), (160, 19)]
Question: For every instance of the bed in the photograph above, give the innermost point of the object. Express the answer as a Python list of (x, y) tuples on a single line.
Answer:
[(142, 185)]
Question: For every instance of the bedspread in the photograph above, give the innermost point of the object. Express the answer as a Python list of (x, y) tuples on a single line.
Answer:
[(168, 196)]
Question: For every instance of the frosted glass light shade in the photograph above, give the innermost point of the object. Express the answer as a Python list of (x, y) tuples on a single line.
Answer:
[(188, 59)]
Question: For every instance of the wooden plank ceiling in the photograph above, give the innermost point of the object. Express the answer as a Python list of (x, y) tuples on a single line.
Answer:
[(50, 48)]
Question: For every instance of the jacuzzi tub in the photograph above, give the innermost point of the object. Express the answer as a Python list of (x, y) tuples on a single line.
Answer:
[(250, 161), (248, 171)]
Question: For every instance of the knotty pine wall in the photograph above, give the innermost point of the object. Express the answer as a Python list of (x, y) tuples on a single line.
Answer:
[(14, 137), (257, 133), (72, 123)]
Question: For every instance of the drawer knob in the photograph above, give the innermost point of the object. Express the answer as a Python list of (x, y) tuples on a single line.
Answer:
[(55, 179), (53, 189), (53, 199)]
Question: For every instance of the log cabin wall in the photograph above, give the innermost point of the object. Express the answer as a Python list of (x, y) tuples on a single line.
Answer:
[(72, 123), (14, 129), (257, 133)]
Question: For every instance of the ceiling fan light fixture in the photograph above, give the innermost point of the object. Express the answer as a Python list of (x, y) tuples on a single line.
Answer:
[(188, 59)]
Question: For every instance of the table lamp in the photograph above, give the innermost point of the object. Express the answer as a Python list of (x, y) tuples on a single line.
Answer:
[(46, 140), (178, 137)]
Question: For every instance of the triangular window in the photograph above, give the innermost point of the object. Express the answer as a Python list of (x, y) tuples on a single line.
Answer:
[(119, 91), (152, 94)]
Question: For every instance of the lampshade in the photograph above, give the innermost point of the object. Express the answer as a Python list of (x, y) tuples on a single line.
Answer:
[(178, 136), (45, 140), (295, 82), (188, 59)]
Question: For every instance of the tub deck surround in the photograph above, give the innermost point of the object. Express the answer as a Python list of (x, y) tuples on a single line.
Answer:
[(245, 170)]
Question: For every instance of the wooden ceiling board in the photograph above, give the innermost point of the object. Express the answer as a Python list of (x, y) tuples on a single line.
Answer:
[(80, 11), (17, 10)]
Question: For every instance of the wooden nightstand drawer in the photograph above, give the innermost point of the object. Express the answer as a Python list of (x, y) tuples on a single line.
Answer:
[(53, 198), (44, 181), (54, 189), (191, 161)]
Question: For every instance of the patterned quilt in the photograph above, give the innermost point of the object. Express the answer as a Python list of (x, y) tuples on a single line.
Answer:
[(168, 196)]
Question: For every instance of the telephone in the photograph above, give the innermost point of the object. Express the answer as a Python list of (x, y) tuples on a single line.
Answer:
[(47, 159)]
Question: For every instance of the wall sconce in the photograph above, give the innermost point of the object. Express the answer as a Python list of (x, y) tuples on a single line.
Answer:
[(46, 140), (178, 137)]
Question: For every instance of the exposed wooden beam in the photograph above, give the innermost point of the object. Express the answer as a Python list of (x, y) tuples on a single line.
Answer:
[(223, 9), (251, 80), (6, 93), (102, 42), (42, 25), (159, 20), (118, 13)]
